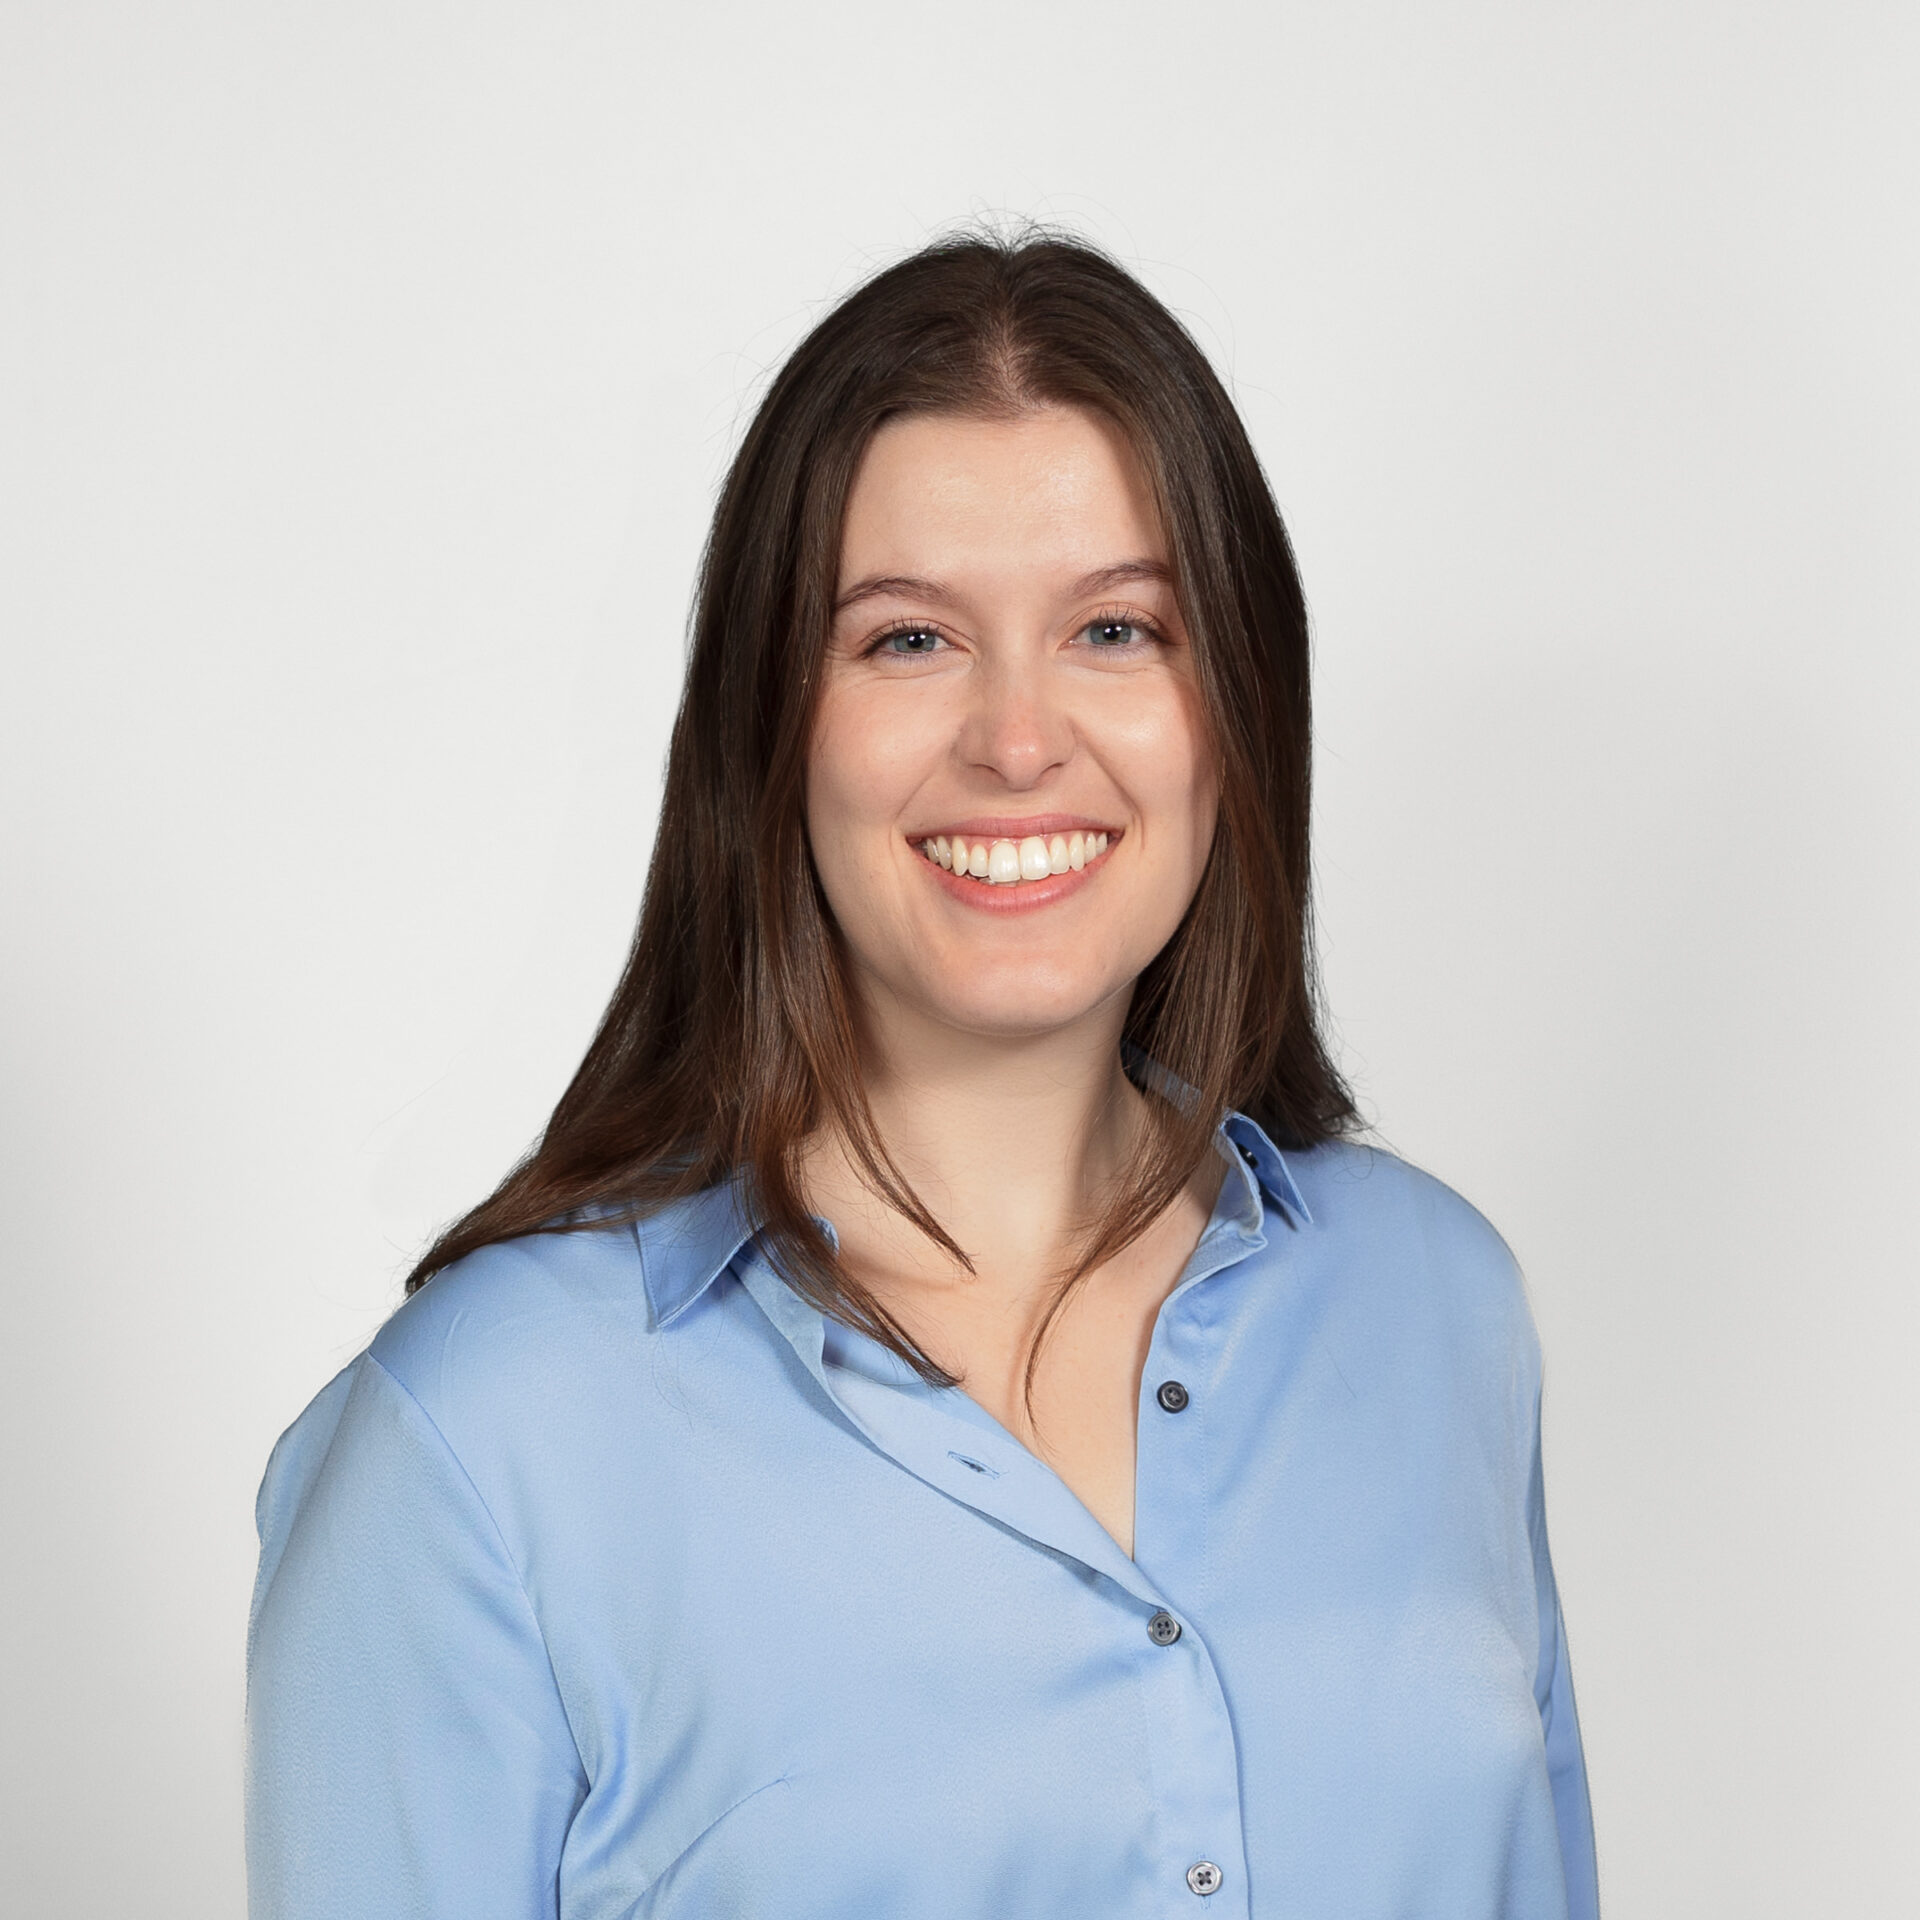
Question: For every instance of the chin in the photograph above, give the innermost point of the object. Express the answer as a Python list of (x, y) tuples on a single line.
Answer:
[(1012, 1004)]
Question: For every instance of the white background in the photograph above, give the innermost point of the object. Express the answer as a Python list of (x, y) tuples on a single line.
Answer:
[(366, 373)]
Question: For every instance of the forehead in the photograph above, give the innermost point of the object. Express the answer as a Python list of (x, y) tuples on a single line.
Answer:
[(1054, 488)]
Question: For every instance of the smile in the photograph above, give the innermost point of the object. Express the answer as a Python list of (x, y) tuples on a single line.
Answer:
[(1006, 863)]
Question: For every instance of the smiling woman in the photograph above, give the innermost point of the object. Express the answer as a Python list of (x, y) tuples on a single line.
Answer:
[(943, 1422), (982, 687)]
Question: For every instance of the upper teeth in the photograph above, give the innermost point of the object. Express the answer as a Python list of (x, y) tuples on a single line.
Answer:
[(1003, 862)]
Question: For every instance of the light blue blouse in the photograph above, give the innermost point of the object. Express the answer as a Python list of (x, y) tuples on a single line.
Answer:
[(615, 1583)]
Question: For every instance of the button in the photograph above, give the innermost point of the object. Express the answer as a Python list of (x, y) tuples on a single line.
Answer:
[(1253, 1160), (1163, 1630), (1172, 1395), (1204, 1877)]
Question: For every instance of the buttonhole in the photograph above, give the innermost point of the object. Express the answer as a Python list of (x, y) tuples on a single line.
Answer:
[(979, 1466)]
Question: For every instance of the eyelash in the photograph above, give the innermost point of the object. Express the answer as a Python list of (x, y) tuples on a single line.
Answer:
[(1106, 617)]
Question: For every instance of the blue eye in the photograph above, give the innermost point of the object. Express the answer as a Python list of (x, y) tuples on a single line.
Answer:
[(1114, 635), (909, 642)]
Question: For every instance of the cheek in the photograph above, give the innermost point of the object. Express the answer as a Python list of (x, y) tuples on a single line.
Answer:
[(1173, 771), (861, 771)]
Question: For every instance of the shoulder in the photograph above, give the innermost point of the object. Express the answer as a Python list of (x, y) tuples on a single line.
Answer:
[(1353, 1188), (541, 1348), (1399, 1234), (477, 1365), (504, 1330), (505, 1312), (515, 1295)]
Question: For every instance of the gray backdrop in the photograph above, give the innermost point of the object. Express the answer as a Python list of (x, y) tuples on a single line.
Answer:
[(366, 374)]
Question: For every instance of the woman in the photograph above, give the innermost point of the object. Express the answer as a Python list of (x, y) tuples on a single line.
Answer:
[(943, 1423)]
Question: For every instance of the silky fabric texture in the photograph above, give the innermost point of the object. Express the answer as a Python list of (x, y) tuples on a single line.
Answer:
[(615, 1583)]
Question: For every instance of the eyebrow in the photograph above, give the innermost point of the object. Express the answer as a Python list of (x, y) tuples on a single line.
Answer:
[(906, 586)]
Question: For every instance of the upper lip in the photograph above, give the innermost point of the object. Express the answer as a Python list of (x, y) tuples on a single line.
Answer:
[(1032, 826)]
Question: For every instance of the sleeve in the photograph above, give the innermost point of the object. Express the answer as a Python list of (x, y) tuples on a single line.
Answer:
[(408, 1756), (1559, 1723)]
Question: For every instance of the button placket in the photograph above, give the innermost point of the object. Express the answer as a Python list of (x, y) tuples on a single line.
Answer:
[(1170, 1479), (1194, 1754), (1193, 1758)]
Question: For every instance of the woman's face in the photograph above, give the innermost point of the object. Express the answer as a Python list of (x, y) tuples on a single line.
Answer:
[(1008, 687)]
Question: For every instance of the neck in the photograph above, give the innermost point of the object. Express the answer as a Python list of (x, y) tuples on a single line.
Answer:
[(1011, 1142)]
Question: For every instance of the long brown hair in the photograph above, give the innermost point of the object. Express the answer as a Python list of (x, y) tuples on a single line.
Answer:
[(731, 1036)]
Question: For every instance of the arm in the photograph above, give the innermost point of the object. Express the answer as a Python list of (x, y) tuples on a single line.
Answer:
[(1553, 1690), (408, 1756)]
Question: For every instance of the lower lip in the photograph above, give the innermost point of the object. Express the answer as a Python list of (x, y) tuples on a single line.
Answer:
[(1021, 896)]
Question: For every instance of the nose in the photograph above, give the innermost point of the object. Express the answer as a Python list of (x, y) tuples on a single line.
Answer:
[(1015, 726)]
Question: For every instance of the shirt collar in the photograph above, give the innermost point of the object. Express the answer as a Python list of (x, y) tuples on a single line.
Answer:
[(1267, 1164), (689, 1243), (1256, 1151)]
